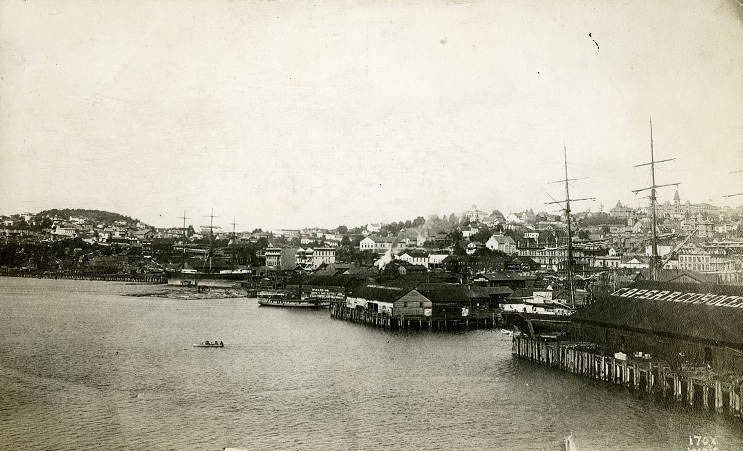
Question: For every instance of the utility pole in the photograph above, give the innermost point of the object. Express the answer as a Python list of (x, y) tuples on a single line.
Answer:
[(653, 201), (566, 202), (184, 217)]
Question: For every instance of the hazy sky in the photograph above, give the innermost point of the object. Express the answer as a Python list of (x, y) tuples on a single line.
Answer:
[(286, 114)]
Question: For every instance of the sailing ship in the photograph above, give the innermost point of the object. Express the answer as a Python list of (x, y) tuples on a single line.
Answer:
[(207, 276)]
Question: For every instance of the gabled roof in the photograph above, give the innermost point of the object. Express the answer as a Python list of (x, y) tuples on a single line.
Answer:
[(381, 239), (502, 239), (444, 292), (381, 293)]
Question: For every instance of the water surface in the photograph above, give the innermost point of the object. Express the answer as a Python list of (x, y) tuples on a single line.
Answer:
[(85, 365)]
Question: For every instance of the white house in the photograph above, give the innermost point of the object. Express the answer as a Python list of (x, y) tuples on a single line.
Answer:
[(377, 244), (469, 232), (65, 231), (435, 260), (633, 263), (415, 257), (501, 243)]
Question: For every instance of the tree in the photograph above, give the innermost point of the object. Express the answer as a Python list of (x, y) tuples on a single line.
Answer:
[(342, 229), (345, 241)]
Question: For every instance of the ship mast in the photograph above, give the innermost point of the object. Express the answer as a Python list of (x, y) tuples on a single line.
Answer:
[(566, 209), (184, 238), (233, 242), (211, 239), (653, 200)]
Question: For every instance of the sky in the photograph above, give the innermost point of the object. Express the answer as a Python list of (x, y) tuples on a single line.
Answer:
[(292, 114)]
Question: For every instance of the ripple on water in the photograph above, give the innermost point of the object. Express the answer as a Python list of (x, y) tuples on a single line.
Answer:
[(82, 366)]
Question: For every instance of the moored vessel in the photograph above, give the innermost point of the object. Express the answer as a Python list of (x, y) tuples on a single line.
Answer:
[(277, 298)]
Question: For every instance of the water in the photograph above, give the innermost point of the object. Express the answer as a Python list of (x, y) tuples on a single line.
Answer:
[(84, 366)]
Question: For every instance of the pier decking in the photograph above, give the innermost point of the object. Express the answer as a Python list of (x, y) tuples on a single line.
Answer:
[(143, 278)]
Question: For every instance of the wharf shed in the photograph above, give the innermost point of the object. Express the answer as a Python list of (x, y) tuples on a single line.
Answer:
[(394, 301), (683, 324), (448, 300)]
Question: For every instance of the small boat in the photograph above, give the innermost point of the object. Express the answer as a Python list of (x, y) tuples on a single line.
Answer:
[(208, 344), (506, 332)]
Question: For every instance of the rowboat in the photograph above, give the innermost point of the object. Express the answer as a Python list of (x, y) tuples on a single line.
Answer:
[(207, 344)]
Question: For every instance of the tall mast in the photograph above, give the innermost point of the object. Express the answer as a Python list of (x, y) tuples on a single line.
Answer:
[(184, 237), (233, 242), (566, 202), (211, 238), (654, 258), (570, 232)]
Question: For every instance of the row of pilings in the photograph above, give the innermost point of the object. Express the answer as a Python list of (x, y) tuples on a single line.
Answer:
[(142, 278), (340, 310), (656, 379)]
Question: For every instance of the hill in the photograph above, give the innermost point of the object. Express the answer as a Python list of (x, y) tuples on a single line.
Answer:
[(95, 216)]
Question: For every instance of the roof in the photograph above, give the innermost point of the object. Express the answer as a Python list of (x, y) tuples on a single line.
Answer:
[(444, 292), (703, 313), (501, 276), (680, 276), (381, 239), (503, 239), (381, 293), (476, 291), (416, 253)]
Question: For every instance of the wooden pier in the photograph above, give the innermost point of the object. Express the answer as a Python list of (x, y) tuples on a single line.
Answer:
[(339, 310), (142, 278), (697, 389)]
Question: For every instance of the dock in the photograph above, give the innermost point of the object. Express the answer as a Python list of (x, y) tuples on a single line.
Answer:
[(339, 310), (697, 388)]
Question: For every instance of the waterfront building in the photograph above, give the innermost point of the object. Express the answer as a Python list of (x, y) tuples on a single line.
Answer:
[(674, 323), (389, 300)]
